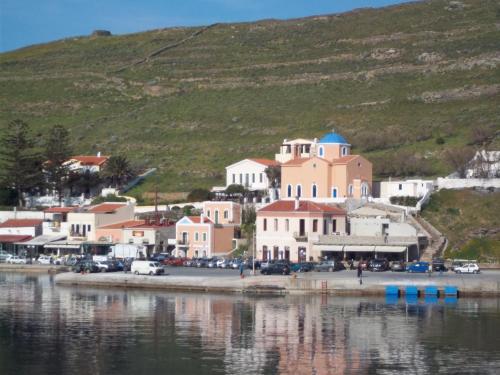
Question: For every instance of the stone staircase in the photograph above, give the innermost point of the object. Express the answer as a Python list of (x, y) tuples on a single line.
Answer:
[(437, 241)]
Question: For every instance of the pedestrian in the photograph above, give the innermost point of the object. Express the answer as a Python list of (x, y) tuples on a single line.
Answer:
[(430, 269), (242, 268), (360, 269)]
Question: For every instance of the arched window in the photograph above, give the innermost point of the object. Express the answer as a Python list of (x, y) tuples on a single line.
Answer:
[(351, 190), (314, 191), (344, 151), (289, 191), (364, 189), (208, 213), (335, 192), (216, 216), (226, 214), (299, 191), (321, 151)]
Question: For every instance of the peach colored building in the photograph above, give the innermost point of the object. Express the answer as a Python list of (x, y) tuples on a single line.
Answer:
[(287, 229), (324, 169), (210, 234), (114, 233)]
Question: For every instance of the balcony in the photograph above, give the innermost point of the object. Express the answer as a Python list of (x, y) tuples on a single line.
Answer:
[(183, 242), (300, 237)]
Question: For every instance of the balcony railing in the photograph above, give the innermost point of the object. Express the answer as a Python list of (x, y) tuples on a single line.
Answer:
[(300, 237), (183, 242)]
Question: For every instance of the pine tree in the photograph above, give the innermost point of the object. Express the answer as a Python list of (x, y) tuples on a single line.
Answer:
[(57, 151), (20, 164)]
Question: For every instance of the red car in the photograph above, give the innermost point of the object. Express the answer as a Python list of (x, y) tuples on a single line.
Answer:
[(175, 262)]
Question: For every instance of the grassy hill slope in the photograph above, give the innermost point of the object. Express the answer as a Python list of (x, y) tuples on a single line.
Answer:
[(470, 221), (391, 80)]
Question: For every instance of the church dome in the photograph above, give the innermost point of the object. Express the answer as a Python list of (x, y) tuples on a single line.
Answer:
[(333, 138)]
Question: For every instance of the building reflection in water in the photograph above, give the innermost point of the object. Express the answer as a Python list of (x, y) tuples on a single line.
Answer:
[(232, 334)]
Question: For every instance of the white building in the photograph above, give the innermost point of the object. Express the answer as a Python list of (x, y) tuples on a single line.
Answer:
[(250, 173), (405, 188), (374, 227), (83, 163)]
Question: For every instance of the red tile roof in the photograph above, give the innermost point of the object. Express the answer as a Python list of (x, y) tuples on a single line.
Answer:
[(266, 162), (17, 223), (196, 219), (297, 161), (10, 238), (304, 206), (124, 224), (106, 207), (60, 209), (90, 160), (344, 159)]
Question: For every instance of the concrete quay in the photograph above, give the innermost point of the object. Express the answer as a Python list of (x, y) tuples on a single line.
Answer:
[(33, 268), (336, 283)]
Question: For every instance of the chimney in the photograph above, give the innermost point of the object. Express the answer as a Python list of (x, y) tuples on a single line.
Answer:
[(297, 203)]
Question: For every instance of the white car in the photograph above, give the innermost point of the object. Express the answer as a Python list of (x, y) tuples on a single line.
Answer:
[(103, 266), (14, 259), (44, 259), (467, 268)]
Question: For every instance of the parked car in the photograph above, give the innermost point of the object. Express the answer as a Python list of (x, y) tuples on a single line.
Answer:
[(460, 262), (276, 268), (15, 259), (398, 266), (438, 265), (378, 265), (418, 267), (225, 264), (159, 257), (329, 265), (302, 267), (147, 267), (174, 262), (212, 262), (235, 264), (84, 265), (468, 268), (4, 255), (44, 259), (202, 263)]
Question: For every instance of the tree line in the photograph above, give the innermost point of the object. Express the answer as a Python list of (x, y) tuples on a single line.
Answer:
[(30, 165)]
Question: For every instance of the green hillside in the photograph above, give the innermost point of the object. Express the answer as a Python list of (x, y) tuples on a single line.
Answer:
[(402, 84), (470, 221)]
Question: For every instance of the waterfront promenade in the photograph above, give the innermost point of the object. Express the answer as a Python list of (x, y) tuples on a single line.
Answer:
[(341, 283)]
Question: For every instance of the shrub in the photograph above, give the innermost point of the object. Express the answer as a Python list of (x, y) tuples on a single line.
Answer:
[(108, 198), (405, 201)]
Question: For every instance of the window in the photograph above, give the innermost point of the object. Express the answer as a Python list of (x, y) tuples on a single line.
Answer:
[(241, 178), (350, 190), (208, 213), (287, 225), (400, 186), (321, 151), (315, 225), (344, 151), (204, 236), (196, 236), (216, 216), (334, 192), (289, 191), (275, 225), (265, 224), (299, 191), (334, 225), (314, 191), (247, 179), (234, 178), (253, 177), (88, 228), (325, 226), (261, 177), (226, 214)]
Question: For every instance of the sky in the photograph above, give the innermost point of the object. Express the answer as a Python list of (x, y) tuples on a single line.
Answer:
[(27, 22)]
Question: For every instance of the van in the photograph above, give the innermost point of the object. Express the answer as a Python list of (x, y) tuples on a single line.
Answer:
[(146, 267)]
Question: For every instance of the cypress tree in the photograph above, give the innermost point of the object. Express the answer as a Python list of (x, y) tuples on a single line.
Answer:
[(57, 151)]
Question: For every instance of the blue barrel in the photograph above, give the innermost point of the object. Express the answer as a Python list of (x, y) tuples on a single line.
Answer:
[(431, 290), (411, 290), (450, 290), (391, 290)]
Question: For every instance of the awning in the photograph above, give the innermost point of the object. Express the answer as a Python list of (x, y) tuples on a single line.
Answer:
[(359, 249), (42, 240), (390, 249), (63, 245), (329, 247), (13, 238)]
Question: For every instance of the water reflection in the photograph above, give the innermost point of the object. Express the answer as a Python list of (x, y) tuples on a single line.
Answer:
[(45, 329)]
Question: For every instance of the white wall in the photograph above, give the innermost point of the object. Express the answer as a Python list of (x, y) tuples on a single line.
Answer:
[(408, 188), (247, 167), (367, 227), (6, 215), (401, 230), (18, 231), (464, 183)]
